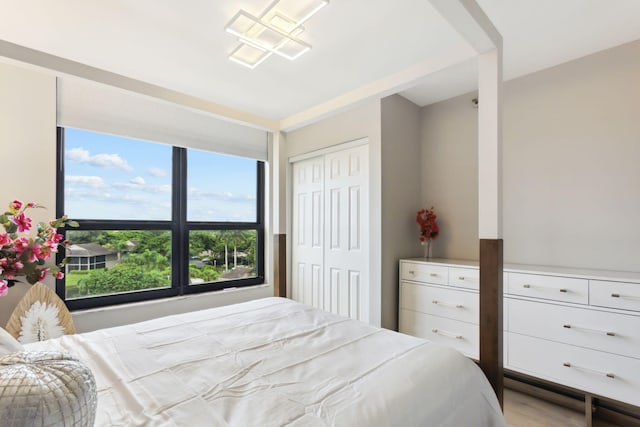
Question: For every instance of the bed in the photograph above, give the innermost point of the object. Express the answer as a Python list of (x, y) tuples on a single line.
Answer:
[(276, 362)]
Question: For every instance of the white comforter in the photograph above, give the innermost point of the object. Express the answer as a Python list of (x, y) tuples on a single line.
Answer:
[(274, 362)]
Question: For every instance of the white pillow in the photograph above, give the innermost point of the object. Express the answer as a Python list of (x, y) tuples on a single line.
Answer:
[(8, 344)]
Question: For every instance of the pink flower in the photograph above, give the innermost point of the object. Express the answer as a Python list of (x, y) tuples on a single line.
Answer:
[(59, 275), (43, 274), (5, 240), (4, 289), (18, 265), (20, 245), (23, 223), (53, 240), (31, 205), (36, 253), (15, 206)]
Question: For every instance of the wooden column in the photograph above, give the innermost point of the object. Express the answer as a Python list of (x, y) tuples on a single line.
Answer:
[(491, 313), (280, 265), (468, 18), (490, 215)]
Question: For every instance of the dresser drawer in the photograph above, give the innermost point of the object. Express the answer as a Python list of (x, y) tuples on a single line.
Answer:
[(427, 273), (450, 303), (604, 374), (549, 287), (464, 277), (625, 296), (462, 336), (609, 332)]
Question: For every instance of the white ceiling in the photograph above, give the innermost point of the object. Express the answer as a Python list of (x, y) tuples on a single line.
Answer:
[(183, 46)]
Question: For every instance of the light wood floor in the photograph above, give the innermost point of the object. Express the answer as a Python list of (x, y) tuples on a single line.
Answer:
[(522, 410)]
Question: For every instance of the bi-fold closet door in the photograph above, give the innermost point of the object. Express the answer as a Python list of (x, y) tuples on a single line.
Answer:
[(330, 232)]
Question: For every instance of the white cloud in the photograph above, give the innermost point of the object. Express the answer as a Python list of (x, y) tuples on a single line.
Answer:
[(81, 155), (89, 181), (156, 172), (197, 194), (138, 183)]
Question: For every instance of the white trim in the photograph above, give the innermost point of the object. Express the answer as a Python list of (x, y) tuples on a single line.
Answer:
[(378, 89), (490, 144), (470, 21), (332, 149)]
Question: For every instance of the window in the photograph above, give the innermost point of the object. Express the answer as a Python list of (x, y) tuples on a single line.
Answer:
[(156, 221)]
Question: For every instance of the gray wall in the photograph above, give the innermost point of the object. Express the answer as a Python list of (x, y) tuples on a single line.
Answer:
[(400, 195), (28, 146), (450, 175), (570, 161)]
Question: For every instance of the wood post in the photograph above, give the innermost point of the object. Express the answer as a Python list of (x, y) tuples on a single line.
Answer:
[(280, 265), (491, 350)]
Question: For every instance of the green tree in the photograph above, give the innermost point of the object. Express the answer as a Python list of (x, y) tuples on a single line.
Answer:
[(123, 277), (151, 260)]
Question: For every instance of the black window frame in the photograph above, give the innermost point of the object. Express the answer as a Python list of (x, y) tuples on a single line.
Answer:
[(179, 228)]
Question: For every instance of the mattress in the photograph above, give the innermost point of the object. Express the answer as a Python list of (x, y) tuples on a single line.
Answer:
[(275, 362)]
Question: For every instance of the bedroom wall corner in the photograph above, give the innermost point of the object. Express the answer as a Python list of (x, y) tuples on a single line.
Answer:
[(401, 195), (571, 148), (28, 141), (449, 166), (570, 179)]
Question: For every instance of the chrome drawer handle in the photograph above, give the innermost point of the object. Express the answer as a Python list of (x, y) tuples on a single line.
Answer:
[(597, 331), (460, 277), (625, 296), (447, 334), (412, 272), (527, 286), (582, 368), (447, 304), (433, 275)]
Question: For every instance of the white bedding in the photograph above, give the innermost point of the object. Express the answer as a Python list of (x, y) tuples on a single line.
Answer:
[(274, 362)]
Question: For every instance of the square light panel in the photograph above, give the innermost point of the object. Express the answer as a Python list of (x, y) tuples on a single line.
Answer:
[(275, 30)]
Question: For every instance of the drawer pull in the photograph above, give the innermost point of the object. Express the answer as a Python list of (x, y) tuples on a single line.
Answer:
[(447, 304), (433, 274), (447, 334), (582, 368), (624, 296), (528, 286), (597, 331), (412, 272), (460, 277)]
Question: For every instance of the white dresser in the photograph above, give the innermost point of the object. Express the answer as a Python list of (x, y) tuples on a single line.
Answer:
[(580, 329)]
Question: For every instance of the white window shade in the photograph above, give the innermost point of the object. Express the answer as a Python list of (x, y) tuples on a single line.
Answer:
[(93, 106)]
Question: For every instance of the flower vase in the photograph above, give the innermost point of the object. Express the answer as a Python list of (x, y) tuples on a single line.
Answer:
[(427, 249)]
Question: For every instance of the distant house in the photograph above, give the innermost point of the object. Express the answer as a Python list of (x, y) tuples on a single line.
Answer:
[(90, 256)]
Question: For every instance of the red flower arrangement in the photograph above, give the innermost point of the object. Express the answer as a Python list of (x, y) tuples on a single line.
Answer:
[(429, 230)]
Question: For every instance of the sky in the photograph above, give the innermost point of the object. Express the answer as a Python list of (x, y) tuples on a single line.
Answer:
[(110, 177)]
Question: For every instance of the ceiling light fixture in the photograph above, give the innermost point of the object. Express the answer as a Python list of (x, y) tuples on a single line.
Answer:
[(275, 31)]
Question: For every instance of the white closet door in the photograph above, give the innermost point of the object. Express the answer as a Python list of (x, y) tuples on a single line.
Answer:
[(307, 252), (330, 232), (346, 254)]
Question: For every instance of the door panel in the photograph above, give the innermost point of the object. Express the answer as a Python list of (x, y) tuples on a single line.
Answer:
[(347, 256), (308, 232), (330, 254)]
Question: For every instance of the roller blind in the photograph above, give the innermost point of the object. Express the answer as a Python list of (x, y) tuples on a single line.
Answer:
[(93, 106)]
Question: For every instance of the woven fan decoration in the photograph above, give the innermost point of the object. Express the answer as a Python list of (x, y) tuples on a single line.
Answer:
[(40, 315)]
